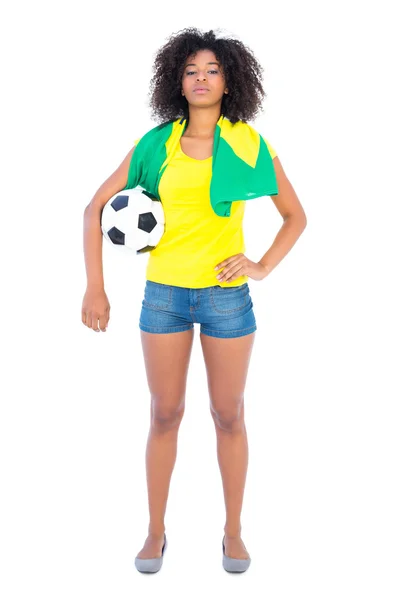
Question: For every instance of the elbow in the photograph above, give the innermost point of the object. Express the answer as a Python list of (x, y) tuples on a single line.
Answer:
[(301, 218), (89, 208), (298, 217)]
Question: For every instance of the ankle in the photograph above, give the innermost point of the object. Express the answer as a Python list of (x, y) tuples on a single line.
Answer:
[(232, 532), (156, 531)]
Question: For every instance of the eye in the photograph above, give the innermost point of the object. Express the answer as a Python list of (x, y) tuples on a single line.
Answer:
[(211, 71)]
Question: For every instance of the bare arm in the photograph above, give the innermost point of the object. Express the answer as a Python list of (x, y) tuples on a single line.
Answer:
[(92, 234), (294, 217), (95, 305)]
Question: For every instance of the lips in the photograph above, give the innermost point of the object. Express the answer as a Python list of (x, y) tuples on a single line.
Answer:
[(200, 89)]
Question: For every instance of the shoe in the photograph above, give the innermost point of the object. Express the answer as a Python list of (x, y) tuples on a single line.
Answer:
[(234, 565), (151, 565)]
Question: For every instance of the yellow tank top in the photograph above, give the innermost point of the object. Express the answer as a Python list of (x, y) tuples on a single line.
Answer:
[(195, 239)]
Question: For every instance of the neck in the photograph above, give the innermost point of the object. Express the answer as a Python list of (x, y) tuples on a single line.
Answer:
[(202, 121)]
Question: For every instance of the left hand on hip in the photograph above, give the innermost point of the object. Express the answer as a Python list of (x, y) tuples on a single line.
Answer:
[(237, 265)]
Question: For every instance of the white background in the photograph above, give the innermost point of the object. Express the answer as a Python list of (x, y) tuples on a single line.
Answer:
[(321, 507)]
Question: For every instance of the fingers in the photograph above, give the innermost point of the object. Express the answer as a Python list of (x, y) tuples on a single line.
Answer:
[(93, 321), (104, 320)]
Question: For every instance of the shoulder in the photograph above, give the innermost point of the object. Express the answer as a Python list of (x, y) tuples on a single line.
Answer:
[(157, 133), (244, 126), (271, 149)]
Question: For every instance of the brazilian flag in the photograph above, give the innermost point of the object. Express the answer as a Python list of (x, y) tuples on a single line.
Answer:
[(242, 167)]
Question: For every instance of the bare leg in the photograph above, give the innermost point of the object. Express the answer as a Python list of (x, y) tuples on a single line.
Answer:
[(167, 360), (232, 452), (227, 361)]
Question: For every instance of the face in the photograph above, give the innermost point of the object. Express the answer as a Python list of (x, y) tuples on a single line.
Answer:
[(202, 69)]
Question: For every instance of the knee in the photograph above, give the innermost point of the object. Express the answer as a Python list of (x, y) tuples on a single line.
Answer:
[(230, 420), (165, 418)]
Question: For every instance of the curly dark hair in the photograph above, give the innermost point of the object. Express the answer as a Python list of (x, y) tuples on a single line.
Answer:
[(241, 69)]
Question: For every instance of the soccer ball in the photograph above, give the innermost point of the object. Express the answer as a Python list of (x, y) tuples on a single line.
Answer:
[(133, 220)]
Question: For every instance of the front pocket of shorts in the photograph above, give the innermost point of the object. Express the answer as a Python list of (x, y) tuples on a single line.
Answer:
[(226, 300), (157, 295)]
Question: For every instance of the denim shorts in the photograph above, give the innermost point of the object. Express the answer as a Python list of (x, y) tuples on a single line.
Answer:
[(221, 311)]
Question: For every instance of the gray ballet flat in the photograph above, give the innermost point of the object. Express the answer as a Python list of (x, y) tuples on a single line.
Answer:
[(151, 565), (234, 565)]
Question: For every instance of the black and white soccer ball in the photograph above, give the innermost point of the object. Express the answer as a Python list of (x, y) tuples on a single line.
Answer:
[(133, 220)]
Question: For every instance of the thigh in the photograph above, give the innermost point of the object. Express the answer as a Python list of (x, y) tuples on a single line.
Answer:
[(227, 361), (166, 358)]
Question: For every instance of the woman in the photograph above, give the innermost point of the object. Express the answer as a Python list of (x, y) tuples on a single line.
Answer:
[(197, 273)]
